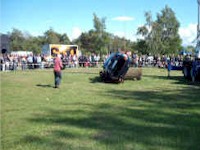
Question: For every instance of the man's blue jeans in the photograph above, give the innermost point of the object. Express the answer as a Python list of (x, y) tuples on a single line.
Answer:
[(58, 76)]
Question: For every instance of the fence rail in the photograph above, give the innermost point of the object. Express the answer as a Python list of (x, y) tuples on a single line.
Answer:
[(45, 65)]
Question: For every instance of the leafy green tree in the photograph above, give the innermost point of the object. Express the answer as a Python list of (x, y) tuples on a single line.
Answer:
[(101, 37), (141, 46), (99, 41), (64, 39), (143, 31), (16, 40), (99, 24), (95, 40), (86, 41), (51, 37), (169, 26), (147, 32), (34, 44), (161, 36), (190, 48)]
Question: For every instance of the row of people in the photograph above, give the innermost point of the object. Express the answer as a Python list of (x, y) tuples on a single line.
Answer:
[(12, 62)]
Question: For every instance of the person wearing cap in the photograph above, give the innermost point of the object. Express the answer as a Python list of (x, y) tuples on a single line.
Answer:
[(57, 70)]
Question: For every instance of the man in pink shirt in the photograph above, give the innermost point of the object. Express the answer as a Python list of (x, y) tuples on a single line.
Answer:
[(57, 70)]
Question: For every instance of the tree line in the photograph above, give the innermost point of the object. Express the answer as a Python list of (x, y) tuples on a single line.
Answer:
[(160, 36)]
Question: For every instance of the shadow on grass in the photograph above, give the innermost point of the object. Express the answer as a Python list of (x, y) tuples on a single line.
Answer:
[(45, 85), (96, 79), (176, 79), (154, 120)]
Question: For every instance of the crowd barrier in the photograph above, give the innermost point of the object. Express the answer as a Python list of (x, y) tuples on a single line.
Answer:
[(8, 66), (45, 65)]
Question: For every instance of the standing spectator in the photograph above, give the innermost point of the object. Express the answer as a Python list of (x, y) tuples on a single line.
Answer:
[(97, 59), (30, 61), (23, 62), (135, 60), (7, 62), (39, 61), (35, 65), (169, 66), (57, 70), (15, 63), (81, 60), (74, 59), (2, 63)]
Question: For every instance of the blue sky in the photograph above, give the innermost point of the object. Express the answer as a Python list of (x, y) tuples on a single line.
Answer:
[(73, 17)]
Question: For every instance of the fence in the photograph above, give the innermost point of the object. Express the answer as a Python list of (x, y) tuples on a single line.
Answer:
[(13, 66)]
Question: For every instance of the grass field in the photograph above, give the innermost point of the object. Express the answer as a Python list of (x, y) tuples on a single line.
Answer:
[(155, 113)]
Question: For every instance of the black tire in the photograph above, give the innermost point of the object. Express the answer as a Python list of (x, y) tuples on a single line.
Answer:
[(101, 74)]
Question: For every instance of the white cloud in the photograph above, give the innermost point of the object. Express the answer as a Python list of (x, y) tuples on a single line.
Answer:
[(76, 32), (188, 34), (123, 18)]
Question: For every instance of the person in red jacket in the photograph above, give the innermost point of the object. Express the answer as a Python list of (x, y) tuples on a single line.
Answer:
[(57, 70)]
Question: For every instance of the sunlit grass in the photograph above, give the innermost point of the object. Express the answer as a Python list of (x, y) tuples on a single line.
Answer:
[(153, 113)]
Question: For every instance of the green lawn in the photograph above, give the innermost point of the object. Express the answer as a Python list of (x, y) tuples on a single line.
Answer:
[(155, 113)]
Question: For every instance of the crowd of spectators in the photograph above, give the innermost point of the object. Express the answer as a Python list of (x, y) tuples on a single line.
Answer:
[(17, 62), (156, 61), (14, 62), (31, 61)]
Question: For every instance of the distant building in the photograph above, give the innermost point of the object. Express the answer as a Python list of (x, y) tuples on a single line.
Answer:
[(4, 44)]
